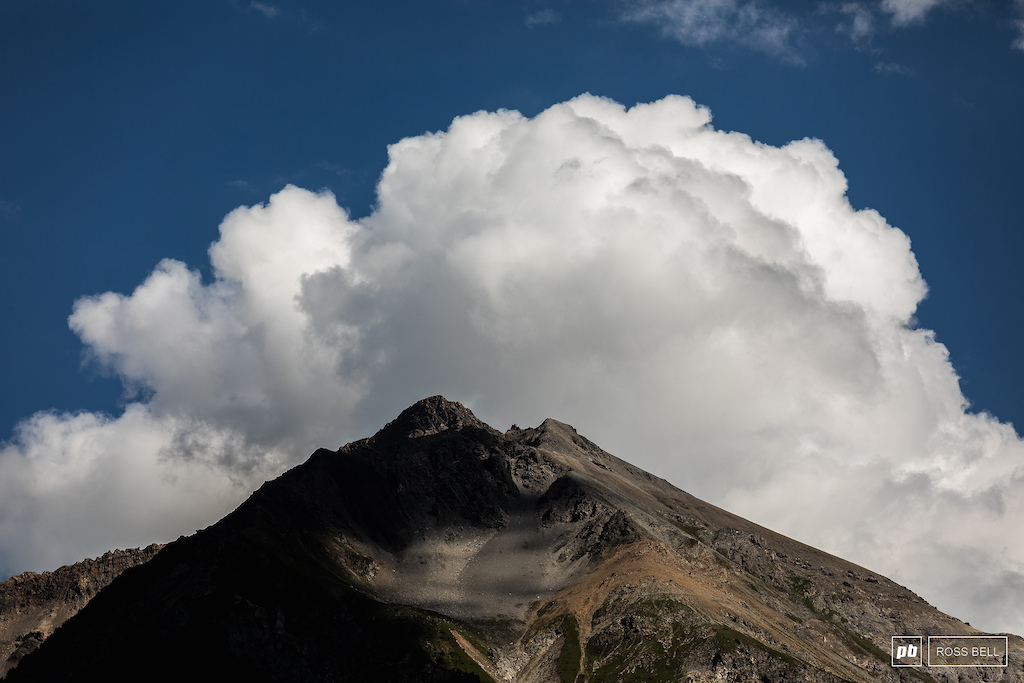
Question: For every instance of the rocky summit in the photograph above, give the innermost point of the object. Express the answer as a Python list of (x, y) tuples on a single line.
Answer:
[(441, 549)]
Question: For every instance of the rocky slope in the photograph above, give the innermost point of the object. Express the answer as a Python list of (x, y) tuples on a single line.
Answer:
[(33, 605), (442, 550)]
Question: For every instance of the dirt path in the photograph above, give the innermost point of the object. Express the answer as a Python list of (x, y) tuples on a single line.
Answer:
[(476, 656)]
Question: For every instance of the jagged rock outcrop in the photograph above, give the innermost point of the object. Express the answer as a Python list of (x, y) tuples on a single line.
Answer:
[(440, 549), (33, 605)]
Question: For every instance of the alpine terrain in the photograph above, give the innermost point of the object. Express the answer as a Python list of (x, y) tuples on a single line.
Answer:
[(33, 605), (441, 549)]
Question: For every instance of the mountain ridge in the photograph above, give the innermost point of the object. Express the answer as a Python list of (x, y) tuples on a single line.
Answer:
[(33, 605)]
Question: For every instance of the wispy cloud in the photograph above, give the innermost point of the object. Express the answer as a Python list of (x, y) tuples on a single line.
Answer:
[(892, 68), (544, 17), (8, 209), (270, 11), (266, 9), (243, 185), (1018, 25), (701, 23), (910, 11), (772, 27), (858, 22), (862, 20)]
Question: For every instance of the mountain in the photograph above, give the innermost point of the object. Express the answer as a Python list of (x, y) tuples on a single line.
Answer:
[(33, 605), (441, 549)]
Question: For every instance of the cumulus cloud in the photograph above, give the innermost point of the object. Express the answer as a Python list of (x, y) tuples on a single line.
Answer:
[(707, 306), (700, 23)]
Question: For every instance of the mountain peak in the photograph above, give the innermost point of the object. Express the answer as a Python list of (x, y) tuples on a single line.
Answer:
[(431, 415), (441, 550)]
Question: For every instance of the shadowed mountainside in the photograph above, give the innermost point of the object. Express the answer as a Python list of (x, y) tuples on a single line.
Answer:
[(440, 549), (33, 605)]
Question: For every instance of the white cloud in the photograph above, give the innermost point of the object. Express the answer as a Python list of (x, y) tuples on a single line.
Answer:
[(859, 24), (243, 185), (543, 17), (1018, 25), (73, 486), (236, 352), (266, 9), (910, 11), (709, 307), (764, 26), (700, 23)]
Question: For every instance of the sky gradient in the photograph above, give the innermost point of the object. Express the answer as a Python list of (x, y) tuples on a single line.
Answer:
[(764, 322)]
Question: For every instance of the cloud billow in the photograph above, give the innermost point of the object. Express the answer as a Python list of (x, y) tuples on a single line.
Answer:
[(707, 306)]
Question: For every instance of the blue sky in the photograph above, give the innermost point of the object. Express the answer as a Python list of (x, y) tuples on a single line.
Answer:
[(128, 131)]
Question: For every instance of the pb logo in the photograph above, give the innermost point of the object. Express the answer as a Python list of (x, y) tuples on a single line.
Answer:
[(907, 650)]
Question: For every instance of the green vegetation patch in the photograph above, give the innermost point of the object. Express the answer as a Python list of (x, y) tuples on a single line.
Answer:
[(650, 643), (693, 531), (569, 657), (658, 640), (428, 632), (799, 585), (730, 639), (869, 647), (659, 606), (450, 655)]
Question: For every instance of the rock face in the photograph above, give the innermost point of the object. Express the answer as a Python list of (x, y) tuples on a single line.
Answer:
[(33, 605), (443, 550)]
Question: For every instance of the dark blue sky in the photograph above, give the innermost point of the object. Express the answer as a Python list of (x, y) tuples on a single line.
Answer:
[(128, 130)]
